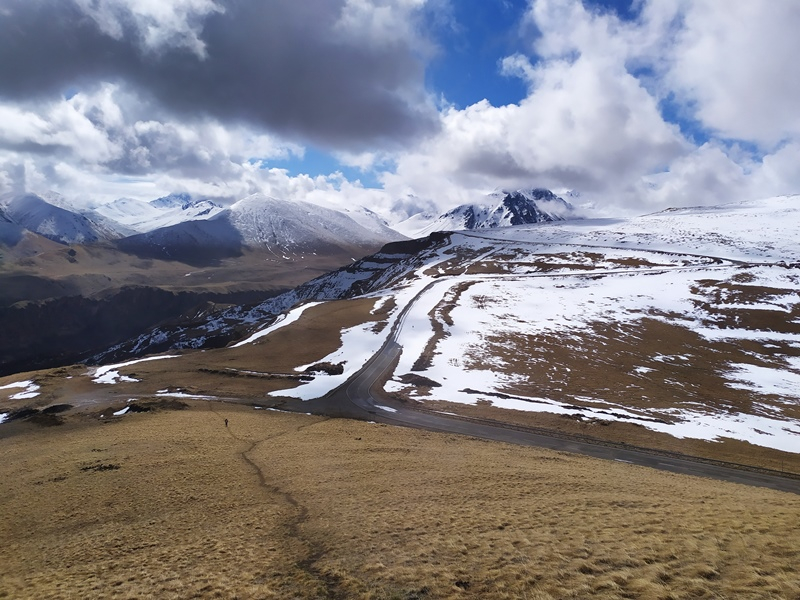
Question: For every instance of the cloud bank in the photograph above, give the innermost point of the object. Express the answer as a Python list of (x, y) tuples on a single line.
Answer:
[(687, 103)]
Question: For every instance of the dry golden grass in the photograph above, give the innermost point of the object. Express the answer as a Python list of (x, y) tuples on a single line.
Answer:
[(602, 364), (183, 515), (289, 506)]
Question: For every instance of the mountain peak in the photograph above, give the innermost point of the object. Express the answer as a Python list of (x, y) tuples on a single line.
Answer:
[(502, 208), (35, 214), (176, 200), (530, 193)]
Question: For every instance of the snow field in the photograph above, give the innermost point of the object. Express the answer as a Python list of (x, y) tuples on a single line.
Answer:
[(760, 230), (567, 303), (528, 306)]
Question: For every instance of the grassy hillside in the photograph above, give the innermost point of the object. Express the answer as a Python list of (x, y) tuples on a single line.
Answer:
[(174, 504)]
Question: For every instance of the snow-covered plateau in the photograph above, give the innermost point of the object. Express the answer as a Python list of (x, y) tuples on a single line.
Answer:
[(685, 322)]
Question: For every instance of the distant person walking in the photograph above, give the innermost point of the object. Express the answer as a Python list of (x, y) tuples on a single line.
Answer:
[(226, 422)]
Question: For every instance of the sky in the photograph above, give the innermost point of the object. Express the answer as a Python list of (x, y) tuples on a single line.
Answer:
[(401, 105)]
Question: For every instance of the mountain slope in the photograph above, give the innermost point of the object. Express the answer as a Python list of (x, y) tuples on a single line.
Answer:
[(33, 213), (301, 226), (503, 208), (391, 266), (10, 232), (138, 216), (280, 227), (192, 242)]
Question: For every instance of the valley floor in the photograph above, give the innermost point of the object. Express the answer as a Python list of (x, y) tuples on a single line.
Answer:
[(174, 504)]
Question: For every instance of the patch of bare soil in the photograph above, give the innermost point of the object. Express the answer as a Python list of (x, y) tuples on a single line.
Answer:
[(175, 504)]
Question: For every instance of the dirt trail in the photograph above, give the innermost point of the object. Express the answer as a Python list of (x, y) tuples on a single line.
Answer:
[(297, 514)]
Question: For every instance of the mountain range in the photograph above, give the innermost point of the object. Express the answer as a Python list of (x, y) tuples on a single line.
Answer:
[(76, 280), (279, 227), (176, 226), (35, 214)]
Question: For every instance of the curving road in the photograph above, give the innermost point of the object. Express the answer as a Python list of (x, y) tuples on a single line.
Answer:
[(362, 397)]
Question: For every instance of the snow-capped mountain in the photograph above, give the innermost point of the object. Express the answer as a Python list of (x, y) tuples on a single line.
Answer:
[(128, 211), (502, 208), (176, 200), (35, 214), (368, 219), (137, 216), (301, 226), (258, 221)]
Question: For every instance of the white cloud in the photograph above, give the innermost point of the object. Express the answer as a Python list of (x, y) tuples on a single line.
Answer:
[(158, 23), (56, 127), (382, 22), (705, 176), (736, 62), (102, 140), (592, 119), (586, 123), (778, 174)]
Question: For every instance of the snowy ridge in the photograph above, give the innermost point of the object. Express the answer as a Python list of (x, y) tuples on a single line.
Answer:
[(283, 228), (33, 213), (266, 221), (766, 229), (141, 217), (502, 208), (380, 271)]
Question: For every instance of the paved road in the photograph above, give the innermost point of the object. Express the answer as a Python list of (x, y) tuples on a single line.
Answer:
[(362, 397)]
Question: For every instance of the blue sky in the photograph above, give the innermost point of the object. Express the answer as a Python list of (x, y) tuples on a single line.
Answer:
[(472, 42), (401, 105), (468, 69), (477, 35)]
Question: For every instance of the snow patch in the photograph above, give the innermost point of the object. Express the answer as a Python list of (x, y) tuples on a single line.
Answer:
[(109, 374), (359, 344), (29, 390), (765, 380), (18, 384), (185, 395), (281, 321)]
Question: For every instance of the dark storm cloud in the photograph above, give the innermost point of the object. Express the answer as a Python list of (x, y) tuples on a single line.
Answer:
[(277, 64)]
